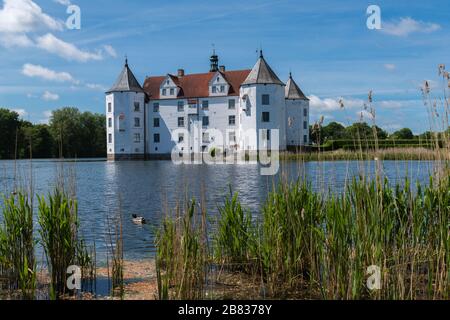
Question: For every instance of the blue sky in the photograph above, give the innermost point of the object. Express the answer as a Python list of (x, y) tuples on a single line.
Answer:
[(326, 45)]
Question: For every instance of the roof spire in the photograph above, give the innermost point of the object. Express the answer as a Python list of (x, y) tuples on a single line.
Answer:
[(261, 53), (214, 61), (126, 61)]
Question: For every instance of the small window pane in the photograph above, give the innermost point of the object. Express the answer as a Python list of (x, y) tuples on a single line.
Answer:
[(156, 122), (231, 120), (156, 138), (156, 107), (265, 117), (181, 122), (205, 121), (137, 107), (205, 104), (137, 122), (231, 104), (265, 99)]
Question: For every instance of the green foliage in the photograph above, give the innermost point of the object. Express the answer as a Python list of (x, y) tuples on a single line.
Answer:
[(402, 134), (181, 255), (232, 242), (17, 261), (71, 133), (58, 221)]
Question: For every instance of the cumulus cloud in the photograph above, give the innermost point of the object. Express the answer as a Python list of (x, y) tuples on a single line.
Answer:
[(48, 96), (10, 40), (407, 26), (37, 71), (22, 112), (21, 16), (66, 50), (333, 104)]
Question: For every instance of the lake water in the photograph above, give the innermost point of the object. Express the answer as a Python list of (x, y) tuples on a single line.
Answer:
[(148, 188)]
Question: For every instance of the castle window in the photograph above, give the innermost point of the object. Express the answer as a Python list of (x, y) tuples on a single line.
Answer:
[(214, 89), (156, 138), (305, 125), (232, 120), (110, 138), (232, 137), (156, 107), (266, 135), (137, 122), (205, 121), (265, 99), (137, 138), (109, 122), (266, 117), (109, 107), (156, 122), (180, 138), (305, 139), (205, 105), (181, 122), (137, 107), (180, 106), (231, 104), (305, 112)]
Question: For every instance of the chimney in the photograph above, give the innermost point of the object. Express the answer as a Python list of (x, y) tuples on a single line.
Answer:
[(180, 72), (222, 68)]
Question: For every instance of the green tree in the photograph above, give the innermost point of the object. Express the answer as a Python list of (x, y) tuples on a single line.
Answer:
[(9, 129), (41, 141), (403, 134), (334, 131)]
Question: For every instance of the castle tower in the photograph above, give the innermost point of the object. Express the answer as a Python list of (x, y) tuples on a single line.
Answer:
[(125, 118), (297, 115), (263, 107)]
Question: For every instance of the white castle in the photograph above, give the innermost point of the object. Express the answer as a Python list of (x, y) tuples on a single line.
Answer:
[(228, 111)]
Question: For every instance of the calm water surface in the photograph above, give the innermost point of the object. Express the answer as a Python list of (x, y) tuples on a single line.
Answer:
[(148, 188)]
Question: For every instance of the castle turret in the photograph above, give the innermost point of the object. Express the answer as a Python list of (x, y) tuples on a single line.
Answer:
[(125, 116), (297, 115), (263, 100)]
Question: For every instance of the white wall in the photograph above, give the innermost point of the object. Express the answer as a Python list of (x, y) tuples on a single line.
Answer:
[(123, 142), (217, 112), (295, 115), (252, 120)]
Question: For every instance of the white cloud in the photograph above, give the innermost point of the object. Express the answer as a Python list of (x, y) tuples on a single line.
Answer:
[(332, 104), (364, 115), (406, 26), (110, 51), (22, 112), (10, 40), (390, 66), (47, 115), (21, 16), (95, 86), (63, 2), (37, 71), (48, 96), (66, 50)]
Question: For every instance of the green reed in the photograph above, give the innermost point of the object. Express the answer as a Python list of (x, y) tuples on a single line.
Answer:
[(181, 256), (58, 221), (233, 238), (17, 260)]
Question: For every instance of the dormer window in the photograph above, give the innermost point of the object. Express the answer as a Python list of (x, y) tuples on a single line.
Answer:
[(222, 89), (172, 92), (167, 82), (164, 92), (214, 89), (218, 79)]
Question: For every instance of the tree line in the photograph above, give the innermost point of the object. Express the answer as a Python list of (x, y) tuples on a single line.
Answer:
[(335, 131), (70, 133), (75, 134)]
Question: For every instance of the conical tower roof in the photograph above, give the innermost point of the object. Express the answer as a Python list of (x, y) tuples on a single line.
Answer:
[(293, 91), (262, 73), (126, 81)]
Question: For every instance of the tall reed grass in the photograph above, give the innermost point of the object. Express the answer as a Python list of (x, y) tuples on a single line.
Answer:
[(182, 253), (17, 244), (59, 233)]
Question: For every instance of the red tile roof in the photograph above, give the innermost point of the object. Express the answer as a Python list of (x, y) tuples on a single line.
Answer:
[(196, 85)]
